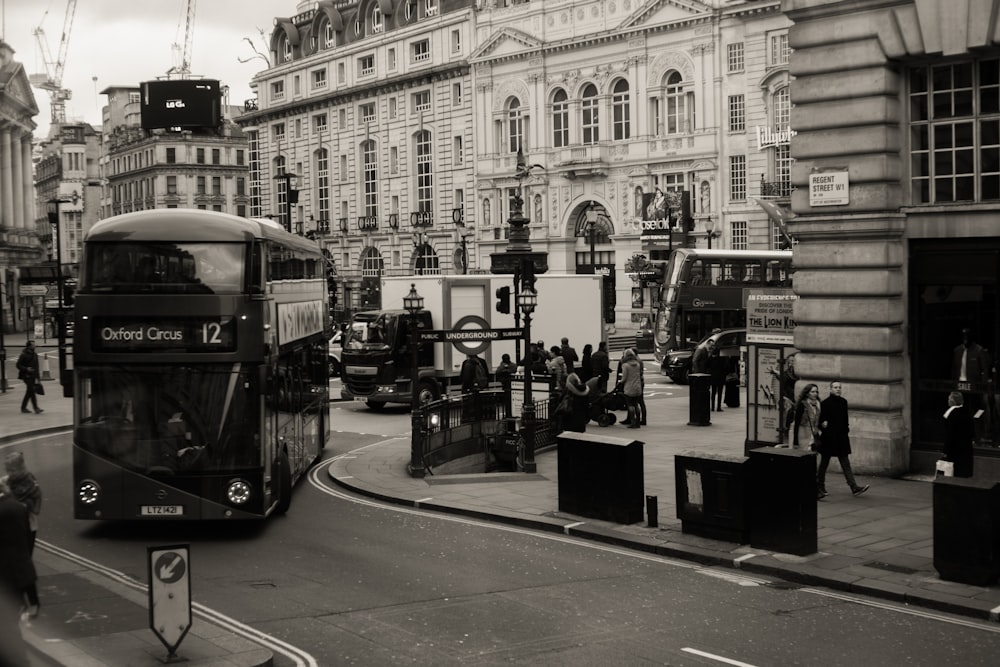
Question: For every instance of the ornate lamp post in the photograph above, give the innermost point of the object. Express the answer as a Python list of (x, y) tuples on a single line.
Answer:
[(711, 231), (413, 303), (526, 302)]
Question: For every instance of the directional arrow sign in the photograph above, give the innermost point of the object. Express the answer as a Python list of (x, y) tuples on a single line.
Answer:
[(169, 593)]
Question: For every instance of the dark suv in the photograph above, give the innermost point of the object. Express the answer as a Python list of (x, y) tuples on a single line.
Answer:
[(677, 363)]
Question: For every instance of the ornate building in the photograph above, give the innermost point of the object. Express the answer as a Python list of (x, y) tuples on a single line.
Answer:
[(898, 103), (19, 244)]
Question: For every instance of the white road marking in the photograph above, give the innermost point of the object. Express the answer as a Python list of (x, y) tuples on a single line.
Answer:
[(718, 658)]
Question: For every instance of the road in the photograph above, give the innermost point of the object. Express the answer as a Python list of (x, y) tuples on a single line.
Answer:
[(348, 581)]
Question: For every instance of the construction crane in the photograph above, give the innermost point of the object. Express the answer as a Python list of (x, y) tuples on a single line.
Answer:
[(51, 80), (183, 52)]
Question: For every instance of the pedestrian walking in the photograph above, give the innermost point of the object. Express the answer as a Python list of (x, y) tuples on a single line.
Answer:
[(569, 355), (17, 571), (601, 364), (806, 422), (834, 440), (718, 367), (632, 386), (586, 370), (27, 370), (25, 488), (958, 435), (578, 394)]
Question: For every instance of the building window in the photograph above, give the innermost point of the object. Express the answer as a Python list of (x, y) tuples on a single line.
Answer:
[(737, 113), (286, 49), (777, 49), (199, 156), (425, 172), (200, 185), (277, 91), (216, 185), (782, 109), (171, 155), (737, 177), (393, 159), (590, 116), (241, 186), (675, 106), (319, 123), (366, 65), (319, 78), (341, 73), (459, 151), (422, 101), (456, 41), (515, 125), (430, 7), (783, 170), (391, 57), (378, 20), (560, 119), (323, 183), (367, 112), (278, 132), (456, 94), (392, 108), (621, 110), (739, 238), (329, 34), (369, 160), (955, 132), (420, 51), (342, 119), (171, 185), (216, 156), (734, 54)]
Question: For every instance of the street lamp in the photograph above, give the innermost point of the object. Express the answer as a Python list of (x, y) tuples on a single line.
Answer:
[(527, 299), (592, 229), (711, 231), (413, 303)]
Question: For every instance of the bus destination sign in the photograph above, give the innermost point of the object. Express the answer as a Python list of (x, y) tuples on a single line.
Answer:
[(192, 335)]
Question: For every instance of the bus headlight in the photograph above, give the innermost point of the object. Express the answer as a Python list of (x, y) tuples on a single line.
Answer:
[(238, 492), (89, 492)]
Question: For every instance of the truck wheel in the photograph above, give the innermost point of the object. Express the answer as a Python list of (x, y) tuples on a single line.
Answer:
[(376, 405), (334, 367), (282, 474), (427, 392)]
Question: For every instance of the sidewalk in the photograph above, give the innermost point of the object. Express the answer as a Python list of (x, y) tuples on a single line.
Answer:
[(878, 544), (89, 620)]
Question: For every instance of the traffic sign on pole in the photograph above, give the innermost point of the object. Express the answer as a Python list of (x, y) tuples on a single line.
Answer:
[(169, 593)]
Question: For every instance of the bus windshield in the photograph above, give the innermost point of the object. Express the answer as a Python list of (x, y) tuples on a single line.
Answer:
[(169, 419), (165, 268)]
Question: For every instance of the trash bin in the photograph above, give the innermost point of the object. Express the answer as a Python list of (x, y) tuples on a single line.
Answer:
[(700, 386), (600, 477), (783, 500), (711, 494), (967, 530)]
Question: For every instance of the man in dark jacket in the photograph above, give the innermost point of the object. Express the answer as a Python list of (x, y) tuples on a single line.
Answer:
[(569, 355), (601, 365), (834, 440), (27, 370), (16, 572)]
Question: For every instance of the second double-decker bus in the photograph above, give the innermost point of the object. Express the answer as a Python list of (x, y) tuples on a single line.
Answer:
[(200, 374), (707, 289)]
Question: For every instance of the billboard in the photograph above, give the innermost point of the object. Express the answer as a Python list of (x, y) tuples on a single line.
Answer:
[(180, 103)]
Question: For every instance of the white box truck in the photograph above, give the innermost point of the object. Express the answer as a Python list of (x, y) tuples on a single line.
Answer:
[(377, 359)]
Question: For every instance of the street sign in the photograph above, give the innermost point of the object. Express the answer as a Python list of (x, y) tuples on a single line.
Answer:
[(469, 335), (169, 593), (32, 290)]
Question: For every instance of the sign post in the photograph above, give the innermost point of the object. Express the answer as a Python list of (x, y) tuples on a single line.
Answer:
[(169, 594)]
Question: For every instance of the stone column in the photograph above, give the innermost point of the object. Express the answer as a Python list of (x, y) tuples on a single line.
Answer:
[(6, 181), (27, 185), (16, 177)]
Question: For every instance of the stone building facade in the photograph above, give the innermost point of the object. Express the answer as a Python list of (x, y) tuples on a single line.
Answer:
[(898, 101)]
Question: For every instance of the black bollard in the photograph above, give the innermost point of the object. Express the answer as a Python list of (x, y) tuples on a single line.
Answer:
[(651, 512)]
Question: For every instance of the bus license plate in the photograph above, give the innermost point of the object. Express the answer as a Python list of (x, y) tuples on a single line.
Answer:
[(162, 510)]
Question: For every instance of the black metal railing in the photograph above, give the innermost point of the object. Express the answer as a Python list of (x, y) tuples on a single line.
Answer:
[(781, 189)]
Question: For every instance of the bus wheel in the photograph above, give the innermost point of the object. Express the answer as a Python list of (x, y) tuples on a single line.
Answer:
[(375, 405), (427, 392), (282, 475)]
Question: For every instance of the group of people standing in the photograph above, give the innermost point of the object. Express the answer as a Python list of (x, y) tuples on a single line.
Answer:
[(723, 372)]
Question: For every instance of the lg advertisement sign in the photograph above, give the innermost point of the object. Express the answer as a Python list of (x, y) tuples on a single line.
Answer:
[(183, 103)]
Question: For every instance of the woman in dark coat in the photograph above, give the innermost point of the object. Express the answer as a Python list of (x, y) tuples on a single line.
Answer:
[(718, 367), (958, 435), (834, 440), (579, 400)]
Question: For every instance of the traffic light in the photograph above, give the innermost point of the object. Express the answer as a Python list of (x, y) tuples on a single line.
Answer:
[(686, 218), (503, 299)]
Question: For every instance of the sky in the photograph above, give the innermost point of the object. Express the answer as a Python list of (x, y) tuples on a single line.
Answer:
[(126, 42)]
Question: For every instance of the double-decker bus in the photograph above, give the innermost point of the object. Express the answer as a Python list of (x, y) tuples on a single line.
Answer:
[(200, 376), (707, 289)]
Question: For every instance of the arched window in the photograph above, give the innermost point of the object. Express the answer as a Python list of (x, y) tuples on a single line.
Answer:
[(369, 160), (515, 125), (675, 105), (782, 159), (285, 46), (621, 110), (329, 35), (372, 265), (560, 119), (378, 20), (425, 172), (590, 116)]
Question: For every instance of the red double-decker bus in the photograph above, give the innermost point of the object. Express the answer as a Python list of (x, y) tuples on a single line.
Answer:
[(200, 367)]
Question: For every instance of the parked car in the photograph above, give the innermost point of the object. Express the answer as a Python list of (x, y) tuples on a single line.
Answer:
[(677, 363), (333, 351)]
